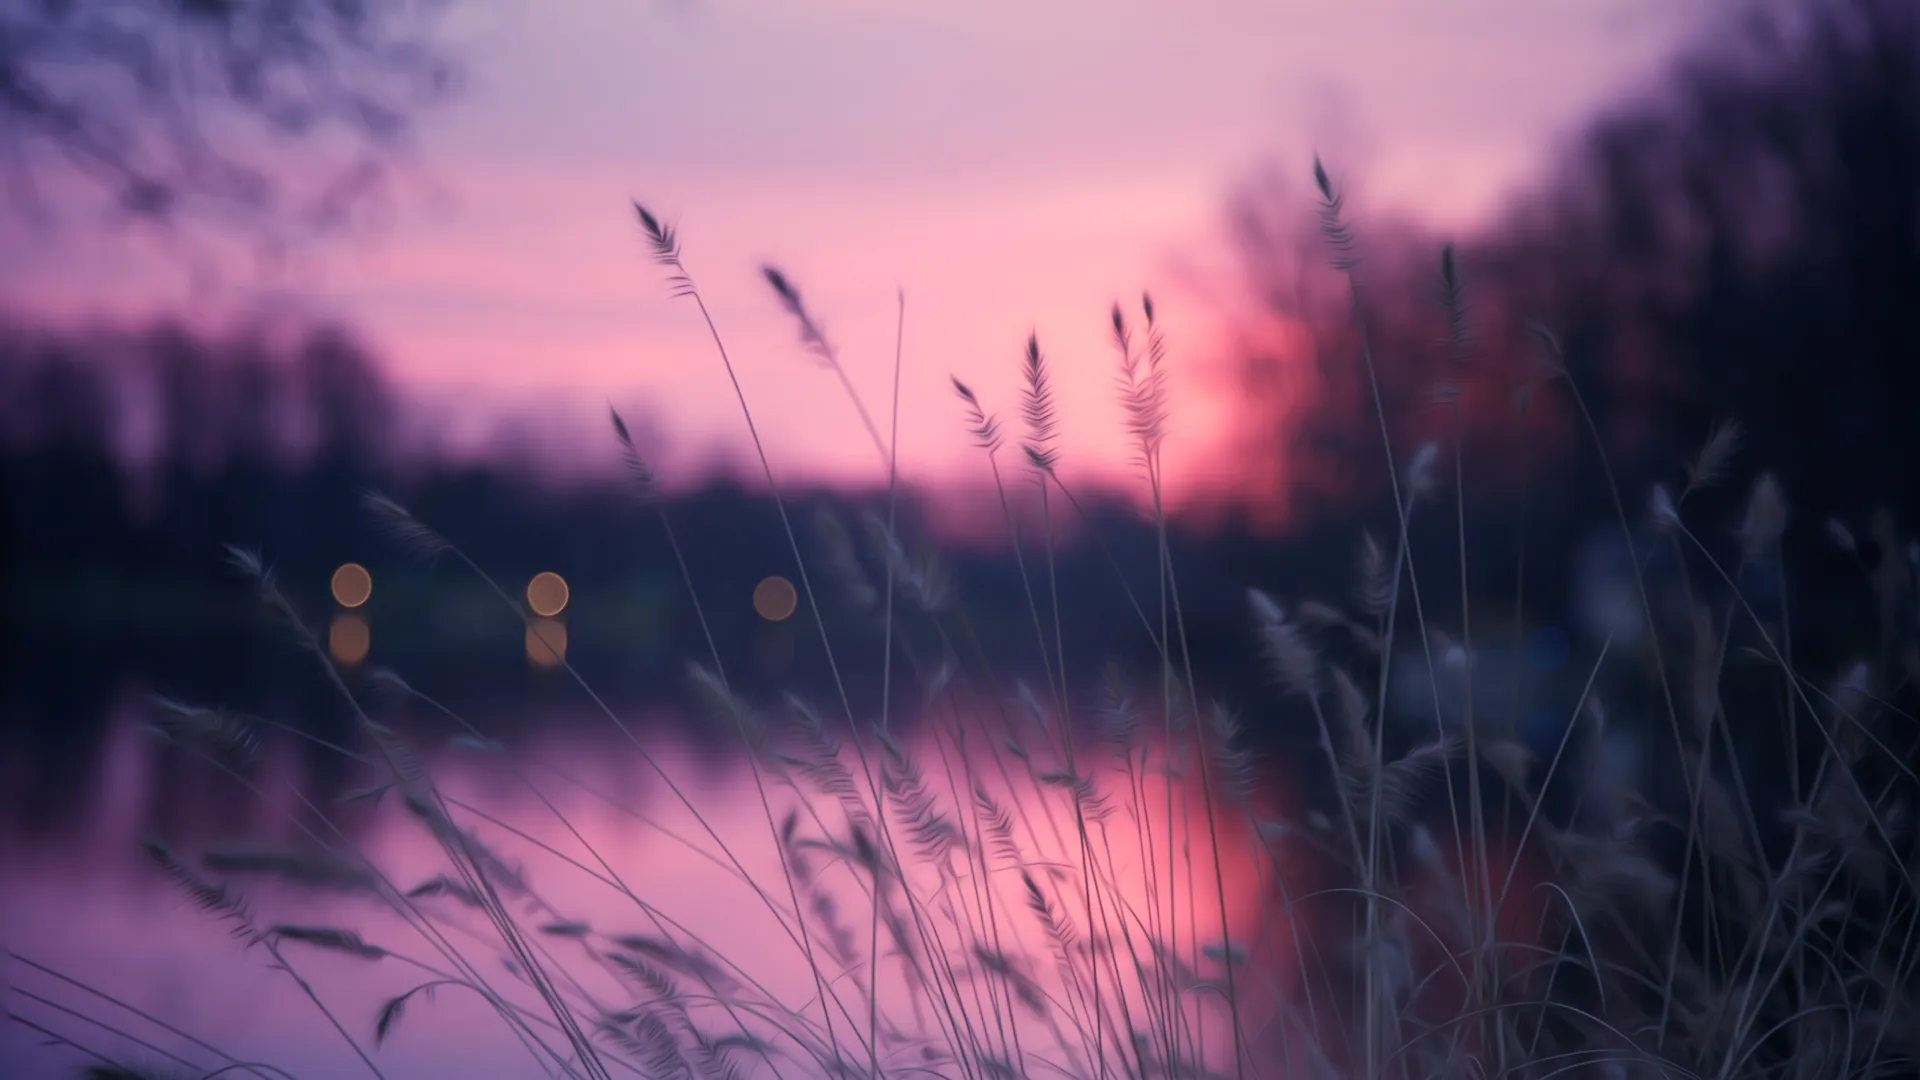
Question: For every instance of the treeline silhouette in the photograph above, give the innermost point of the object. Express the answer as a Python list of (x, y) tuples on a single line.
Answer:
[(133, 459), (1740, 241)]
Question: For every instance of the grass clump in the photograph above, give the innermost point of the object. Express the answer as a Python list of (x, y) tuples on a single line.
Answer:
[(1100, 879)]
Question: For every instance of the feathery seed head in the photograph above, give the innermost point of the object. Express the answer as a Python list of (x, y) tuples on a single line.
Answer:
[(1420, 471), (1842, 536), (647, 221), (1294, 662), (982, 425), (811, 335), (409, 530), (1715, 456), (1766, 517), (643, 475), (1376, 577), (1037, 408), (665, 245), (1665, 514)]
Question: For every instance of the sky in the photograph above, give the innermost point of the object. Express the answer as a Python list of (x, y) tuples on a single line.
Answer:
[(1009, 166)]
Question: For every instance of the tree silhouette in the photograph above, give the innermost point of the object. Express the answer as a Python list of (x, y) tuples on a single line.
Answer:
[(1742, 241), (264, 114), (1762, 237)]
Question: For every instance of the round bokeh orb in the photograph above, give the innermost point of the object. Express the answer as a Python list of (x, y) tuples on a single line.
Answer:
[(547, 594), (351, 585), (775, 599)]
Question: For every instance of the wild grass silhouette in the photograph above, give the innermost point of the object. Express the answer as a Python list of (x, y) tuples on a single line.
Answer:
[(1098, 877)]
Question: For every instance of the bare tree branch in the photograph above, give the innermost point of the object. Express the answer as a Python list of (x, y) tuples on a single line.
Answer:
[(262, 114)]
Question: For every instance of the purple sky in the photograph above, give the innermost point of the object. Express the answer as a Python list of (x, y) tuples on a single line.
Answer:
[(1013, 164)]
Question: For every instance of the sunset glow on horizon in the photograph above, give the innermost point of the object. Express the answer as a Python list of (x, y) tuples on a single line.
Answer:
[(1013, 169)]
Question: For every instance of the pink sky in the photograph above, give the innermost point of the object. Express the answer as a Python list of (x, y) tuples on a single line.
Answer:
[(1011, 165)]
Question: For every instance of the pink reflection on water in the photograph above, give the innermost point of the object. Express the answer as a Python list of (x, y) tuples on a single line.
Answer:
[(608, 850)]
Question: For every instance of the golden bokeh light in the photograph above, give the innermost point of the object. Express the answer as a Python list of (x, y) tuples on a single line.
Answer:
[(547, 593), (349, 638), (546, 642), (775, 599), (352, 585)]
